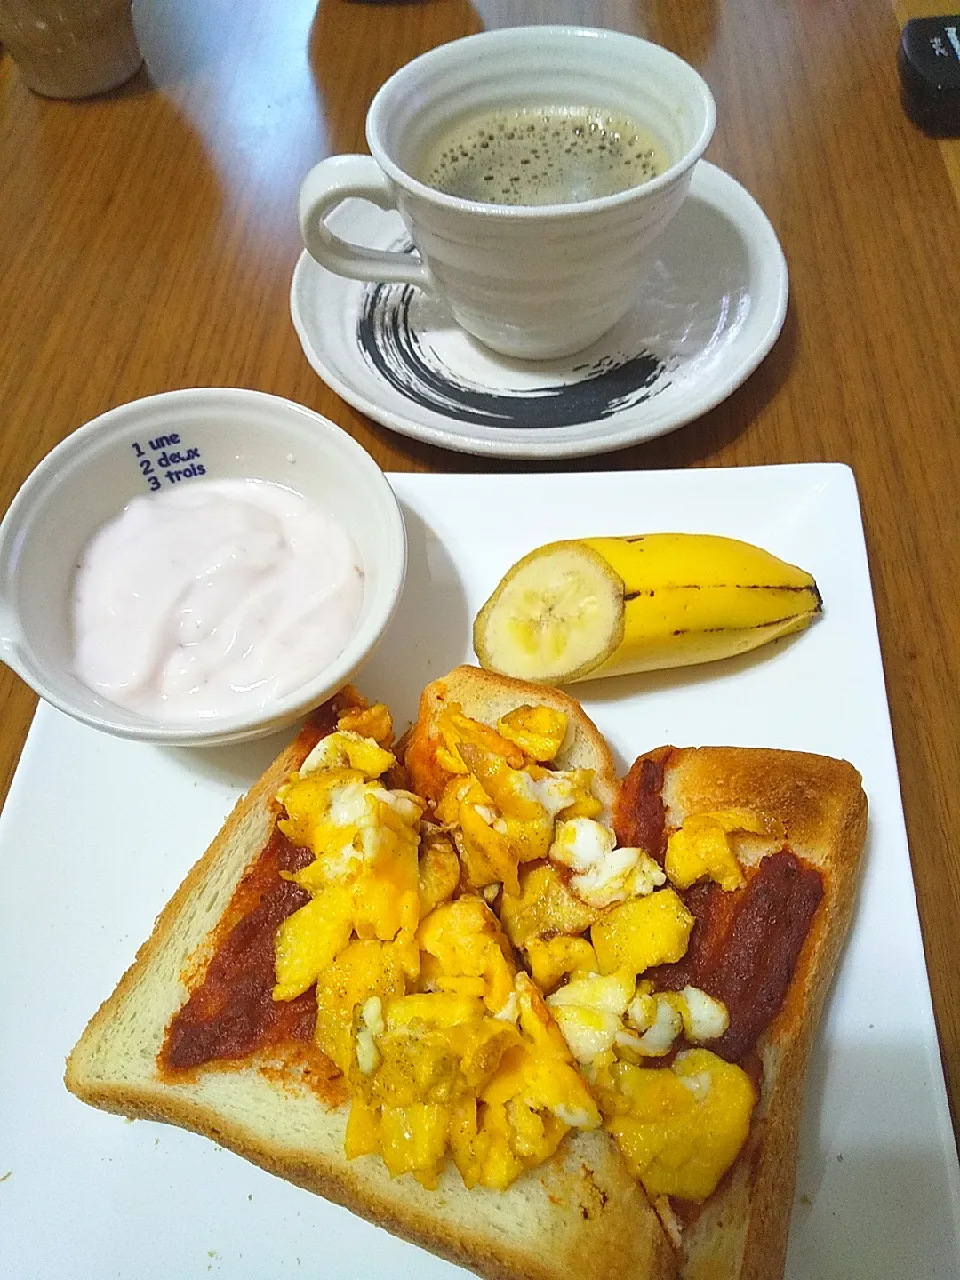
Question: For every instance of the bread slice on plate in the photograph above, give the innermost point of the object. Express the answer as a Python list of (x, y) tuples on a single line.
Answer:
[(486, 696), (816, 807), (581, 1212)]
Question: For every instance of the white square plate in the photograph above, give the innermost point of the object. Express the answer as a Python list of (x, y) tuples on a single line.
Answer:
[(97, 833)]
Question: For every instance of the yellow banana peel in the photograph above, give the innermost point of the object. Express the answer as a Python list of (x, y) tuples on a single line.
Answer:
[(590, 607)]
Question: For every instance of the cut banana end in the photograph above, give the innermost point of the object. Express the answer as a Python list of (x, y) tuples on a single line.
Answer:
[(575, 610), (556, 616)]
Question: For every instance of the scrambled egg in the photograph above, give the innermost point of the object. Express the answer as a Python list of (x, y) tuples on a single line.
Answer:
[(473, 1066), (643, 932), (680, 1127), (450, 1050), (602, 874), (364, 879), (700, 849), (554, 958), (544, 908), (589, 1012), (497, 799), (447, 1049)]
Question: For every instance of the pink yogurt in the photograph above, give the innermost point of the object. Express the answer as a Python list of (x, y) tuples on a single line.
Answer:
[(213, 599)]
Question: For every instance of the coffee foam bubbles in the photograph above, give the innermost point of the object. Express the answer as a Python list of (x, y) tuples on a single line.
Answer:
[(541, 155)]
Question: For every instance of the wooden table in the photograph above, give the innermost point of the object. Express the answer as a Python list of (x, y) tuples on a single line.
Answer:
[(147, 241)]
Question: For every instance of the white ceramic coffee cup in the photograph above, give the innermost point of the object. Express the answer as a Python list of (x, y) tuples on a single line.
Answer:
[(531, 281)]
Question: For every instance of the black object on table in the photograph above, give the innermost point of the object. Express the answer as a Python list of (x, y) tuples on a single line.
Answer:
[(929, 62)]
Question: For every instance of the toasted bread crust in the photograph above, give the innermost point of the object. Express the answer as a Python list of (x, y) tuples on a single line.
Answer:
[(583, 1213)]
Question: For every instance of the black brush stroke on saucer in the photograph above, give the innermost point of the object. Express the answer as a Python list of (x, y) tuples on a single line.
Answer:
[(393, 348)]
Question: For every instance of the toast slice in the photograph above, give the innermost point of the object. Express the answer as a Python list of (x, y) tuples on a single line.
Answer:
[(580, 1213), (486, 696), (818, 809)]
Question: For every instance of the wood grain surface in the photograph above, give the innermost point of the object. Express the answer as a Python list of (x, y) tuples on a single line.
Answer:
[(147, 240)]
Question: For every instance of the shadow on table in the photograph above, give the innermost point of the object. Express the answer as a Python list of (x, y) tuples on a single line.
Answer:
[(364, 44)]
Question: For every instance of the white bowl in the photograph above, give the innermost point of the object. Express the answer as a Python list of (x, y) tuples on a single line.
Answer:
[(93, 473)]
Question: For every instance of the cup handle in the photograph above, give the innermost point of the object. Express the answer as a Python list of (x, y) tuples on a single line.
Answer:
[(327, 185)]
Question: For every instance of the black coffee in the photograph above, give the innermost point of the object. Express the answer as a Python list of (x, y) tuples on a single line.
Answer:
[(542, 155)]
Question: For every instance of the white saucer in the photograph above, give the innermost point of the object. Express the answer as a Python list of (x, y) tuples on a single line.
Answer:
[(709, 308)]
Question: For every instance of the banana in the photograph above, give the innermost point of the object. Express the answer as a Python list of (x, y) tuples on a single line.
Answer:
[(575, 610)]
